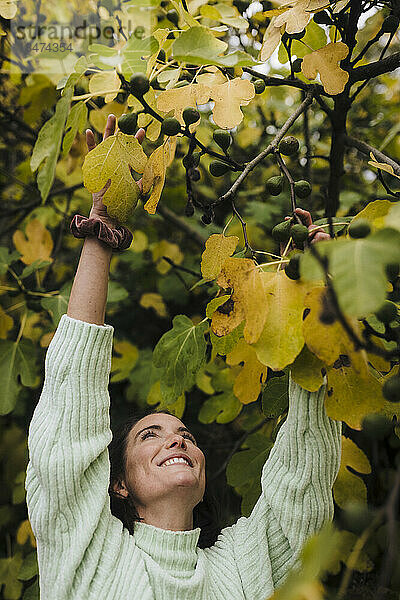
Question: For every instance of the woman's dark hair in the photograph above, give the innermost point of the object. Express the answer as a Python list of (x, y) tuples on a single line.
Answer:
[(205, 514)]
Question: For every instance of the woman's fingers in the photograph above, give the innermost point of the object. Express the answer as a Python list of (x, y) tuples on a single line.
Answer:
[(140, 135), (110, 126), (90, 141), (305, 216)]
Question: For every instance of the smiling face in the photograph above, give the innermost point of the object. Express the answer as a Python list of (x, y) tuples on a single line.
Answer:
[(149, 479)]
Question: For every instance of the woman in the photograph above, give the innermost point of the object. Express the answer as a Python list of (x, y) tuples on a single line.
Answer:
[(84, 551)]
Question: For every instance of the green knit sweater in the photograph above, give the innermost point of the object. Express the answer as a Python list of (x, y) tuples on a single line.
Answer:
[(84, 552)]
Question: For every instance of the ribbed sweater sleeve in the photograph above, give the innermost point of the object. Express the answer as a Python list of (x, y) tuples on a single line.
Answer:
[(296, 498), (68, 471)]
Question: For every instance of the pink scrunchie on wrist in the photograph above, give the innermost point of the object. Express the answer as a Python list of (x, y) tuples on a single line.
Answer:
[(119, 238)]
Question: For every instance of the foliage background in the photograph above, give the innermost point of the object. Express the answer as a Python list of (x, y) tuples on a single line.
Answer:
[(147, 291)]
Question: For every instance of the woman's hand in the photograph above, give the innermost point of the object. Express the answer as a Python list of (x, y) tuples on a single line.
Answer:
[(316, 234), (99, 210)]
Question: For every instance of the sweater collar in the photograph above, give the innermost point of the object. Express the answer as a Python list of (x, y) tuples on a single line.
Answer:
[(173, 550)]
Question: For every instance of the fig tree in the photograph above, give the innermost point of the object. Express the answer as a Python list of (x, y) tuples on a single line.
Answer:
[(387, 312), (299, 233), (170, 126), (190, 115), (292, 269), (391, 389), (297, 36), (222, 137), (322, 18), (139, 84), (274, 185), (259, 86), (218, 168), (128, 123), (302, 188), (359, 228), (281, 232), (289, 146)]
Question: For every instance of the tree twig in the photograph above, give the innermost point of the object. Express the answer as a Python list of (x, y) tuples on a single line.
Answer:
[(367, 149)]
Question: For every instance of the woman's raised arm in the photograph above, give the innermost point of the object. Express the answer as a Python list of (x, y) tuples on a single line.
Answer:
[(88, 297)]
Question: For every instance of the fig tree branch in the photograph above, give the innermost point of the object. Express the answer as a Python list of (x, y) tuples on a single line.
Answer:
[(386, 65), (276, 81), (268, 150), (367, 149), (181, 224)]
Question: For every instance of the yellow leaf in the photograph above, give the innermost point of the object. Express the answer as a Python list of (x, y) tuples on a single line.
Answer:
[(223, 324), (24, 533), (218, 249), (247, 386), (122, 365), (8, 9), (98, 118), (105, 83), (165, 248), (46, 339), (212, 76), (352, 391), (326, 62), (33, 328), (349, 541), (375, 213), (111, 160), (349, 487), (383, 166), (306, 370), (155, 301), (282, 337), (228, 98), (178, 99), (242, 276), (37, 243), (140, 241), (6, 324), (327, 342), (154, 175), (296, 17)]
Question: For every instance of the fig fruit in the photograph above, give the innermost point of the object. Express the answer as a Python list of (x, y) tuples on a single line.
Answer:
[(359, 228), (289, 146), (296, 65), (172, 15), (281, 232), (387, 312), (299, 233), (139, 84), (218, 168), (302, 188), (292, 269), (259, 86), (322, 18), (222, 137), (190, 115), (391, 389), (274, 185), (170, 126), (128, 123)]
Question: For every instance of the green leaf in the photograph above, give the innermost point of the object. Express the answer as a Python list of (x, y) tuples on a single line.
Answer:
[(141, 378), (17, 363), (198, 45), (48, 144), (134, 51), (214, 304), (104, 57), (223, 345), (358, 271), (29, 567), (222, 408), (315, 38), (35, 266), (76, 122), (275, 396), (180, 353), (57, 305), (7, 258), (116, 293), (246, 465)]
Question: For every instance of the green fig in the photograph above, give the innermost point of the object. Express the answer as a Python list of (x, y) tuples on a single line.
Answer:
[(274, 185), (170, 126), (190, 115), (172, 15), (259, 86), (139, 84), (359, 228), (289, 146), (218, 168), (302, 188), (281, 232), (296, 65), (128, 123), (387, 312), (292, 269), (222, 137), (299, 233)]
